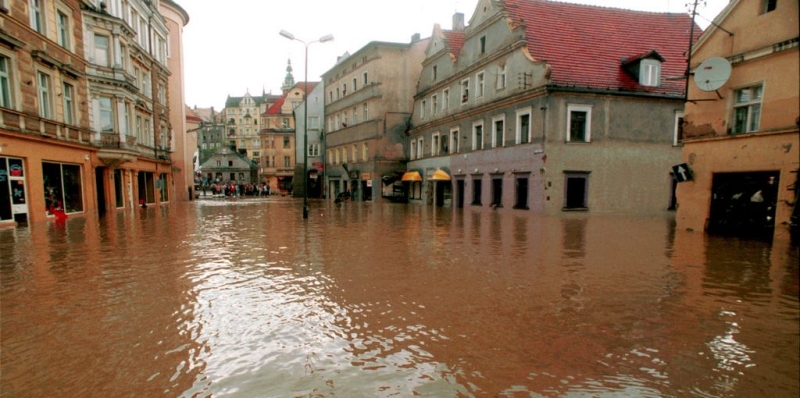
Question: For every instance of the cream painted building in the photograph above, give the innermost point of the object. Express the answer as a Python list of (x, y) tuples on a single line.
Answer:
[(741, 141)]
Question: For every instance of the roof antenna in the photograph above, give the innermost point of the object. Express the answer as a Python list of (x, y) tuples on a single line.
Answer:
[(689, 57)]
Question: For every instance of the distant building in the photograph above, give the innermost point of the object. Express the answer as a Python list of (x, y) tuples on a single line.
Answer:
[(228, 166), (314, 171), (368, 103), (740, 138), (549, 107), (242, 120)]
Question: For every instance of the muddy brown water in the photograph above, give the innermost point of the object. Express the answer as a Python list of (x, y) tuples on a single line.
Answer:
[(246, 299)]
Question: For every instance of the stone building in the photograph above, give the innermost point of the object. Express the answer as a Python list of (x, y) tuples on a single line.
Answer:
[(314, 170), (740, 139), (84, 112), (549, 107), (368, 103)]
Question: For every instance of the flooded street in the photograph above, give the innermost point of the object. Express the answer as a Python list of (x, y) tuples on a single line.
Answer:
[(246, 299)]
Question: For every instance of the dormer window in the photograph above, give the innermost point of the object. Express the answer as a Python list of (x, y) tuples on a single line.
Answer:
[(650, 72), (645, 68)]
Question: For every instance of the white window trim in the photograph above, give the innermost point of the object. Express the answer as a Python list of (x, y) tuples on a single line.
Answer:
[(454, 147), (435, 144), (11, 75), (422, 108), (749, 106), (464, 93), (445, 99), (678, 116), (579, 108), (500, 118), (67, 38), (475, 126), (434, 103), (412, 155), (420, 147), (650, 72), (45, 95), (42, 16), (501, 77), (520, 112)]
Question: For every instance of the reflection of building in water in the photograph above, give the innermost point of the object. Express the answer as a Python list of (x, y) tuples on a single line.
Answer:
[(741, 140)]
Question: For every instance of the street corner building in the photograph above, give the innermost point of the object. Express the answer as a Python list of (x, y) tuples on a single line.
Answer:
[(85, 119)]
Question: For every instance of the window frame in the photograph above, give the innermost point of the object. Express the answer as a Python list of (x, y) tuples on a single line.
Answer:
[(477, 142), (502, 120), (420, 147), (518, 128), (750, 105), (650, 72), (44, 93), (588, 123), (677, 132), (38, 19), (480, 84), (68, 102), (454, 133), (434, 103), (63, 28), (106, 53), (435, 143), (8, 81), (501, 77), (464, 84), (582, 175)]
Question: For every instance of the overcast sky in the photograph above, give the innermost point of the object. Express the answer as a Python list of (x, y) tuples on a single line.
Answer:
[(232, 47)]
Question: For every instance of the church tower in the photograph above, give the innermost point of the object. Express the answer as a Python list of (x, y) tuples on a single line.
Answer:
[(288, 81)]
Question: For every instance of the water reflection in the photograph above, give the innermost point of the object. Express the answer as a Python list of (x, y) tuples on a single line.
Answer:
[(245, 298)]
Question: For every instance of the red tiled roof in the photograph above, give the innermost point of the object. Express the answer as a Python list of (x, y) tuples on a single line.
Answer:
[(586, 45), (455, 39), (275, 109)]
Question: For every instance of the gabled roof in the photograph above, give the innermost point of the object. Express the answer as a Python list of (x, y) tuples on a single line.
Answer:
[(276, 108), (455, 40), (586, 45)]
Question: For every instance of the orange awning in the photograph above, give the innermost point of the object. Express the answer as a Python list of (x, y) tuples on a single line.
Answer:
[(411, 176), (440, 175)]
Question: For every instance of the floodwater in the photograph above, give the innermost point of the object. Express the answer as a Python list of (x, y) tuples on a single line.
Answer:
[(246, 299)]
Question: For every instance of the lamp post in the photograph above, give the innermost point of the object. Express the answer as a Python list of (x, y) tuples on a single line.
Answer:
[(322, 39)]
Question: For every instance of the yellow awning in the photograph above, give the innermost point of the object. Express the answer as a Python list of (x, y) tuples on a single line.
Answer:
[(440, 175), (412, 176)]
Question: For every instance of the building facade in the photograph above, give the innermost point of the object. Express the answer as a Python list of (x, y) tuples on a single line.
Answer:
[(242, 119), (316, 142), (183, 138), (741, 139), (369, 97), (278, 139), (549, 107), (84, 114)]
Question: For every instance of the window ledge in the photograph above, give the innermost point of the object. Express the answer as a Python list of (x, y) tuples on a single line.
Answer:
[(575, 209)]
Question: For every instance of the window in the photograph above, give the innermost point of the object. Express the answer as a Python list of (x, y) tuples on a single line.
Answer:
[(6, 99), (106, 114), (344, 89), (479, 85), (523, 135), (344, 155), (464, 91), (37, 15), (747, 109), (678, 132), (498, 133), (68, 96), (45, 95), (444, 144), (579, 122), (63, 29), (355, 116), (364, 79), (422, 109), (435, 72), (413, 150), (483, 44), (355, 86), (434, 104), (420, 146), (497, 192), (576, 186), (445, 99), (454, 140), (287, 161), (354, 148), (521, 197), (477, 136), (476, 191), (435, 144), (364, 151), (650, 72), (313, 150), (501, 77), (365, 112), (286, 142), (62, 186), (101, 56), (769, 5)]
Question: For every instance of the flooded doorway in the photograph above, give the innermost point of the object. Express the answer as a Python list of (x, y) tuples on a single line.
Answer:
[(743, 204)]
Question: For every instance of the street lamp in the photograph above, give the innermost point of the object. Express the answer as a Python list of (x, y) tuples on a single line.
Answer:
[(322, 39)]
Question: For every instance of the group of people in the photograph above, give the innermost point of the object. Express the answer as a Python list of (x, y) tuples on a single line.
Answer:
[(231, 188)]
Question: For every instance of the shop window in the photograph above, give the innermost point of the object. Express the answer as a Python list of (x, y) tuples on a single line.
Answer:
[(62, 187)]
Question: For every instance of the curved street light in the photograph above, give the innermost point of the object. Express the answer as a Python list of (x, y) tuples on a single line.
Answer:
[(322, 39)]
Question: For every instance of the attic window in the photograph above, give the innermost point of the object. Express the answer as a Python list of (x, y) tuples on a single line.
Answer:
[(650, 72)]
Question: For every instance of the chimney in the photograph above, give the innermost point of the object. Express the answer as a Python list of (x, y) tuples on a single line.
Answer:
[(415, 38), (458, 21)]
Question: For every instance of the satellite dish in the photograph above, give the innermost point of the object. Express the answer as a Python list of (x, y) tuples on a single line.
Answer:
[(712, 74)]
